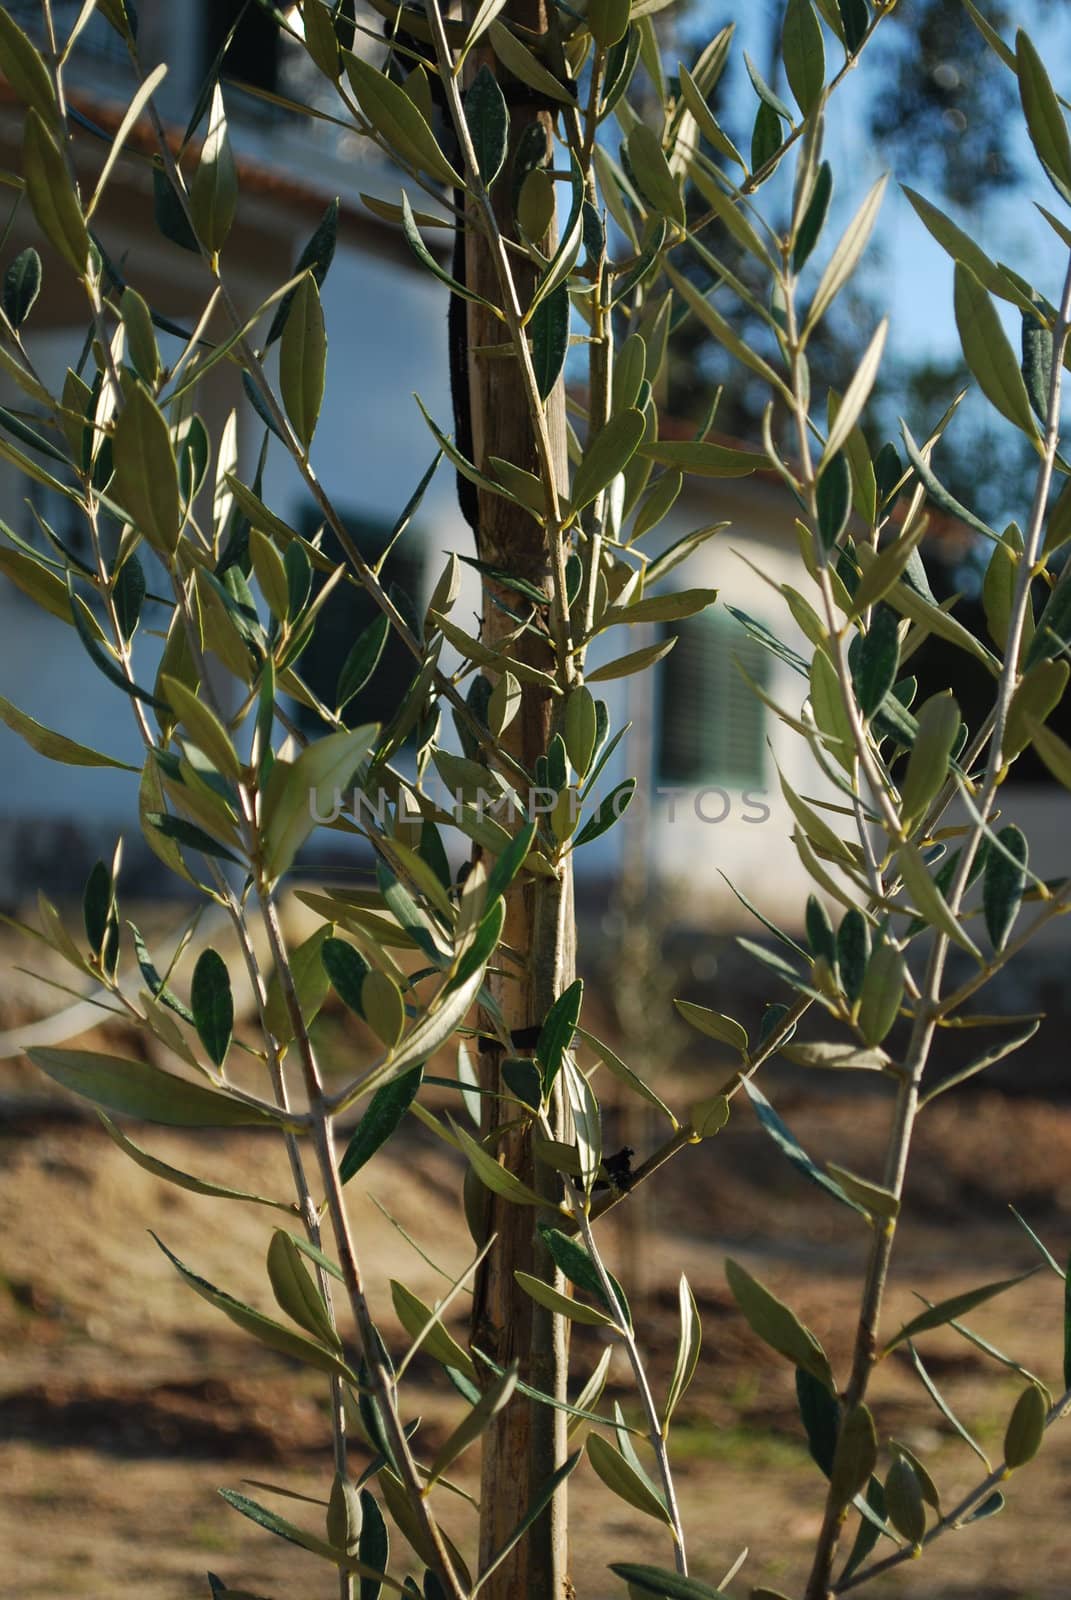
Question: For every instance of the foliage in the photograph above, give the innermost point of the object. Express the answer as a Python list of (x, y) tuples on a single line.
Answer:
[(231, 791)]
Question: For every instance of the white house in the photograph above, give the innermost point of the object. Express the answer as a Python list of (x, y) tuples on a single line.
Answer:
[(703, 747)]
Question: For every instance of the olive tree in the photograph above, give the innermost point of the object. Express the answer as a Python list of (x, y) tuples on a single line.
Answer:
[(519, 122)]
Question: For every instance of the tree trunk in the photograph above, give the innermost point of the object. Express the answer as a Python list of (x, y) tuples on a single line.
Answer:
[(526, 1442)]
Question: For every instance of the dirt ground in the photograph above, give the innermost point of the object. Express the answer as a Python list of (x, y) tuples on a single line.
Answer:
[(126, 1401)]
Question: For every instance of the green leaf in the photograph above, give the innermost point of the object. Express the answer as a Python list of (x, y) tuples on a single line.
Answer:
[(856, 20), (386, 1109), (491, 1174), (726, 334), (488, 123), (881, 994), (791, 1148), (518, 59), (24, 68), (820, 1415), (617, 1068), (382, 1007), (960, 246), (855, 1457), (310, 983), (624, 666), (56, 746), (804, 54), (265, 1329), (776, 1325), (295, 1292), (189, 835), (834, 499), (559, 1026), (1037, 349), (609, 811), (939, 724), (661, 1581), (608, 454), (373, 1548), (308, 1541), (874, 1198), (361, 661), (1044, 117), (1039, 693), (298, 792), (138, 1089), (146, 473), (476, 1423), (562, 1305), (695, 100), (988, 352), (956, 1305), (608, 21), (203, 726), (417, 1320), (212, 1004), (316, 257), (1054, 625), (714, 1024), (843, 261), (651, 172), (814, 217), (183, 1180), (22, 280), (622, 1479), (702, 459), (392, 113), (214, 191), (1026, 1428), (929, 901), (347, 970), (39, 583), (764, 92), (303, 360), (509, 863), (689, 1344), (876, 661), (1004, 883), (575, 1262), (903, 1501), (857, 393), (549, 329)]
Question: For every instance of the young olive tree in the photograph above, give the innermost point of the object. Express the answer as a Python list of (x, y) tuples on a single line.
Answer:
[(499, 115)]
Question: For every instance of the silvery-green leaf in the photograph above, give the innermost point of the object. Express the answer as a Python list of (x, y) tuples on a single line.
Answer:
[(956, 1305), (988, 353), (295, 1292), (776, 1325), (1044, 116), (1026, 1427), (212, 1004), (303, 360), (803, 53), (214, 191), (138, 1089)]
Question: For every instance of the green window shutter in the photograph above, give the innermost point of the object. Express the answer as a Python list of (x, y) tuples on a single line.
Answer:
[(711, 725), (348, 611)]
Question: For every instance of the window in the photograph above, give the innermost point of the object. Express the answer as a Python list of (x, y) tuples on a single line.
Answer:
[(711, 726), (253, 56), (348, 611)]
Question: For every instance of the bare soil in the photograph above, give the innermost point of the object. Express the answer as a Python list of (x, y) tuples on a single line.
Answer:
[(126, 1401)]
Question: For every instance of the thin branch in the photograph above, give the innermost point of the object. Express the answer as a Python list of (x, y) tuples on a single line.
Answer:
[(655, 1432)]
